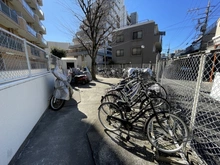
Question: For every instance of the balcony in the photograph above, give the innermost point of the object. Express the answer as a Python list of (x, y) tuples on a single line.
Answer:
[(5, 13), (42, 27), (40, 2), (26, 11), (32, 3), (41, 41), (31, 31), (40, 13), (38, 25)]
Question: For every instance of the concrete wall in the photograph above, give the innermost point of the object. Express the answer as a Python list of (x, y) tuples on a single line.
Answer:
[(22, 103)]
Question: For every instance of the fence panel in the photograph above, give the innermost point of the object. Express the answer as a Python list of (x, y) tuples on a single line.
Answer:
[(193, 86), (20, 59)]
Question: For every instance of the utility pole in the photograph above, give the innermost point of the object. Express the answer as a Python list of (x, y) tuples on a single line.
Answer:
[(204, 26), (168, 51)]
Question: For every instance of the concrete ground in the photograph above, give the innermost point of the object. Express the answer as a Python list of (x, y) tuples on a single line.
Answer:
[(74, 135)]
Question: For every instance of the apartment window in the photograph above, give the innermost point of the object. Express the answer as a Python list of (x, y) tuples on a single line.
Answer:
[(119, 38), (119, 53), (136, 51), (137, 35)]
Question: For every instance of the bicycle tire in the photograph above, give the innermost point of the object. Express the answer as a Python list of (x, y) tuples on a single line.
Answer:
[(110, 97), (105, 111), (160, 139)]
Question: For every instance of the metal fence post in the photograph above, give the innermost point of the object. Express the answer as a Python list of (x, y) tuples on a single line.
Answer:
[(27, 57), (197, 90)]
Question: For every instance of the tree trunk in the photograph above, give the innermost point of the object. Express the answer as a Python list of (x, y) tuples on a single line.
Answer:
[(93, 71)]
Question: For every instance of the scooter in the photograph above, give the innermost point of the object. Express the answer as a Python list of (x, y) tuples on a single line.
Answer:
[(62, 89)]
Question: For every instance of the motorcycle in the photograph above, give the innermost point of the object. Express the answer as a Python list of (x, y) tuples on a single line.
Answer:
[(62, 89)]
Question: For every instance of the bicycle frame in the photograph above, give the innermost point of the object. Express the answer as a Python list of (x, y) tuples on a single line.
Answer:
[(137, 116)]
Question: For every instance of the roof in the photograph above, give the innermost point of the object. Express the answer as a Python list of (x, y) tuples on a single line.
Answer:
[(134, 25)]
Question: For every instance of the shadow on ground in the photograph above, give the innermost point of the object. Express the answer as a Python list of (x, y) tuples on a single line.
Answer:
[(58, 138)]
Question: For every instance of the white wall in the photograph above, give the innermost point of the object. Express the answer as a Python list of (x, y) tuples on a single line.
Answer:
[(22, 103)]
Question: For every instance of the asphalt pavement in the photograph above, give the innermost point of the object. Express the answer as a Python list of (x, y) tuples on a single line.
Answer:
[(74, 135)]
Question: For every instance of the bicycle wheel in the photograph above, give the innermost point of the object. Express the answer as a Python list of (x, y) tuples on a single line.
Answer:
[(159, 90), (106, 111), (170, 135), (110, 98)]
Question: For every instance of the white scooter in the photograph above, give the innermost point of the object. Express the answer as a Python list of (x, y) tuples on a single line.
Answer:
[(62, 89)]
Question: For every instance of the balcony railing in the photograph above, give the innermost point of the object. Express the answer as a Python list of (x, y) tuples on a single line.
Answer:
[(9, 41), (32, 31), (27, 7), (39, 8), (42, 26), (44, 41), (9, 12)]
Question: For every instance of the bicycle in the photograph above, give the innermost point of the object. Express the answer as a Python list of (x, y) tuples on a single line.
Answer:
[(130, 92), (165, 131)]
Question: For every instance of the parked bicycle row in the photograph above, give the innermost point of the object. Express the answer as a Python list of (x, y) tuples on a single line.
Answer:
[(139, 96), (110, 72)]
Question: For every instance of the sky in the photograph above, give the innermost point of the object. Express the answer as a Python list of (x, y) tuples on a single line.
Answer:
[(178, 18)]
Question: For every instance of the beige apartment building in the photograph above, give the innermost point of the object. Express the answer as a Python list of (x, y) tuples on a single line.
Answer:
[(135, 44), (21, 33), (23, 18)]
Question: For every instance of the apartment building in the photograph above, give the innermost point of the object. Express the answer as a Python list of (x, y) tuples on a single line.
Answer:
[(21, 33), (135, 44), (23, 18)]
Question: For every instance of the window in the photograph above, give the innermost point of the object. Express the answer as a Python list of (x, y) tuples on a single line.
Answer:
[(119, 38), (137, 35), (136, 51), (119, 53)]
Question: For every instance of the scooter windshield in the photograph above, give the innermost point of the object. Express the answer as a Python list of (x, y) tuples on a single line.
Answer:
[(58, 73)]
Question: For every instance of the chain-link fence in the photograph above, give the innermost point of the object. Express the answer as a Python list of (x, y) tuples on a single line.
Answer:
[(20, 59), (193, 85)]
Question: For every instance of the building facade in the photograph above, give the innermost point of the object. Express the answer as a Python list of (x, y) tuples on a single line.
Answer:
[(23, 18), (216, 38), (135, 44), (21, 34), (58, 45)]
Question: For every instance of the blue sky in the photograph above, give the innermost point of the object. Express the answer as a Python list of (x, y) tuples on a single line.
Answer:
[(178, 18)]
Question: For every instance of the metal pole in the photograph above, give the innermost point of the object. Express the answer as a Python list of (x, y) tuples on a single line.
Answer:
[(27, 57), (197, 90), (105, 56), (142, 54)]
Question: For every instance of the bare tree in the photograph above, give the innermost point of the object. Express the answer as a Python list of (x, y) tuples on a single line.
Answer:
[(96, 27)]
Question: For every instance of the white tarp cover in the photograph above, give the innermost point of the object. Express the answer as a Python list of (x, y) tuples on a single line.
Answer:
[(63, 89)]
